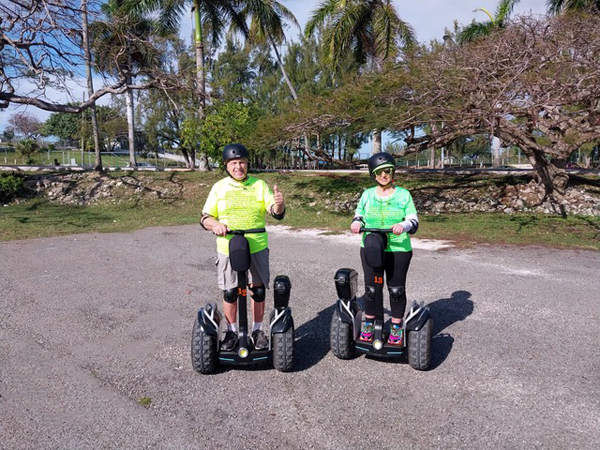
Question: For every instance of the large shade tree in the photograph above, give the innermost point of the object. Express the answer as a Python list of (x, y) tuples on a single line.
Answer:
[(535, 84), (479, 30), (370, 30), (41, 43)]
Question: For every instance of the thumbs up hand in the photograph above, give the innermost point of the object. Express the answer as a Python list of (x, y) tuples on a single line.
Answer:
[(278, 196)]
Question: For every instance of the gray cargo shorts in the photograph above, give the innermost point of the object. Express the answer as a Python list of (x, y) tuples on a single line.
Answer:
[(257, 275)]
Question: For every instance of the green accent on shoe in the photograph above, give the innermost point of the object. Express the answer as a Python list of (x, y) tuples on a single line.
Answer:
[(366, 332), (396, 335)]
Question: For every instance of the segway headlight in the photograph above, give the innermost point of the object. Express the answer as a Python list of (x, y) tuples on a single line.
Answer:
[(243, 352), (377, 344)]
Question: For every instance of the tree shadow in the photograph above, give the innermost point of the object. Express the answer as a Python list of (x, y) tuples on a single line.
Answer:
[(445, 312), (312, 340)]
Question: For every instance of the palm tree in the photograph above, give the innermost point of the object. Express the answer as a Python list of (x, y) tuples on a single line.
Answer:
[(266, 26), (121, 45), (213, 15), (496, 22), (90, 83), (370, 30), (559, 6)]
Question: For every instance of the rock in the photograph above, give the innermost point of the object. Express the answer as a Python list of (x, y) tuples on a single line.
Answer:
[(88, 188)]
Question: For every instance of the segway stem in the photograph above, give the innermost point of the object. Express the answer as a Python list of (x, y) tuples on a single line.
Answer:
[(378, 333), (242, 293), (242, 297)]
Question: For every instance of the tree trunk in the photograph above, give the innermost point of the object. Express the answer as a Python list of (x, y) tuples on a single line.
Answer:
[(90, 84), (376, 142), (202, 162), (553, 177), (199, 46), (283, 72), (130, 125), (200, 82), (432, 158), (288, 82), (495, 151)]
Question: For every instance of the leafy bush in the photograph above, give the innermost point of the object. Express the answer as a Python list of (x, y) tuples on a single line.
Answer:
[(27, 148), (11, 186)]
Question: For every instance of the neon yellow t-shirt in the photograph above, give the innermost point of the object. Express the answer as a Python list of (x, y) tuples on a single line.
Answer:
[(241, 205)]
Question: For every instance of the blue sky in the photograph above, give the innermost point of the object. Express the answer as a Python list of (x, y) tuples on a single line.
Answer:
[(429, 18)]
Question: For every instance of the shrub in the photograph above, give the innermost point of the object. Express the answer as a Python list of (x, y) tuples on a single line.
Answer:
[(27, 148), (11, 186)]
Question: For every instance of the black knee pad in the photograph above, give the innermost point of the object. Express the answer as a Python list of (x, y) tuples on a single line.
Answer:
[(229, 295), (397, 300), (258, 293), (370, 293)]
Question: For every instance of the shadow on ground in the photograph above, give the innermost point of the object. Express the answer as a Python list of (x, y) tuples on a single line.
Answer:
[(445, 312), (312, 340)]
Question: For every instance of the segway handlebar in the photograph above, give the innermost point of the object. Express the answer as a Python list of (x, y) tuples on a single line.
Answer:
[(243, 232), (376, 230)]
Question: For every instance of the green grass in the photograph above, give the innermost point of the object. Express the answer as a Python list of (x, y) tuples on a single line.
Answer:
[(146, 402), (38, 218), (9, 157), (307, 197), (581, 232)]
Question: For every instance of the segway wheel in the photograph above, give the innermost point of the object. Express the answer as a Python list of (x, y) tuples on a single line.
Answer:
[(419, 346), (283, 350), (204, 350), (340, 337)]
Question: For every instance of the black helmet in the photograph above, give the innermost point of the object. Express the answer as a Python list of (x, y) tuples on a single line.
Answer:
[(380, 160), (232, 151)]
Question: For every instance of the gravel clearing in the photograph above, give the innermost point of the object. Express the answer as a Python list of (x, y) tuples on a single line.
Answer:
[(95, 336)]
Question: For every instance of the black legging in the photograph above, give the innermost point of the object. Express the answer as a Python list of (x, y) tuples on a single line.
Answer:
[(396, 267)]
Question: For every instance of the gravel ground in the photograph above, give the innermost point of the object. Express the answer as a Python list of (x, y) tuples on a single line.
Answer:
[(95, 336)]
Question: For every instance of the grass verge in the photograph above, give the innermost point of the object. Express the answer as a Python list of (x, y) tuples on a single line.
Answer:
[(310, 199)]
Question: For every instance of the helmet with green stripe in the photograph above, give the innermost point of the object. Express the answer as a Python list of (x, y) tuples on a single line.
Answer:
[(380, 161)]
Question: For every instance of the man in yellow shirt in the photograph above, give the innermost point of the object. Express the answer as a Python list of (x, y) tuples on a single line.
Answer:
[(241, 202)]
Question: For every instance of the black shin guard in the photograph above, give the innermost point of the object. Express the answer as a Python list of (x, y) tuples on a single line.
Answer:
[(397, 301), (369, 300)]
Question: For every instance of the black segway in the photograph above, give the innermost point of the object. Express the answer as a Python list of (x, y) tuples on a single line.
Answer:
[(347, 317), (206, 352)]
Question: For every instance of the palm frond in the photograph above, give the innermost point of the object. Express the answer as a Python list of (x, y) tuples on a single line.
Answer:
[(326, 10), (504, 10), (559, 6), (475, 31)]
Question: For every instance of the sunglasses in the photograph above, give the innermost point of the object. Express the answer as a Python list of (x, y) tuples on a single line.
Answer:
[(387, 171)]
